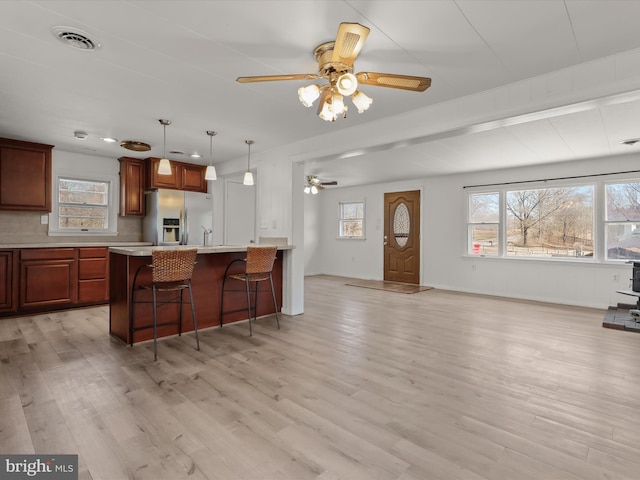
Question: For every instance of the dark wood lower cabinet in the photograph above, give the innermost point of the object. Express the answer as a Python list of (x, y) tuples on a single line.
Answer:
[(93, 275), (37, 280), (48, 277), (8, 290)]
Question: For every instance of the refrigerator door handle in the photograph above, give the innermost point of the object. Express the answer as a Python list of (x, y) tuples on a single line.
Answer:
[(185, 228)]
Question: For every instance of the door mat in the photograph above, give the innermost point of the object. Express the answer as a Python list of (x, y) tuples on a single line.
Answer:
[(389, 286), (620, 319)]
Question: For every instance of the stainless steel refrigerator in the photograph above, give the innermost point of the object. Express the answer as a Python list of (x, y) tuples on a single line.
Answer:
[(174, 217)]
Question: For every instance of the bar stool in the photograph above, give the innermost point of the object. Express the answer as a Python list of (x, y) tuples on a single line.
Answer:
[(257, 268), (171, 270)]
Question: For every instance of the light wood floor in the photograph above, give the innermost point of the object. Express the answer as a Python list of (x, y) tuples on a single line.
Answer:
[(365, 385)]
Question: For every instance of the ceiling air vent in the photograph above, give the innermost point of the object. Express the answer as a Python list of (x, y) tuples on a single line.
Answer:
[(75, 38)]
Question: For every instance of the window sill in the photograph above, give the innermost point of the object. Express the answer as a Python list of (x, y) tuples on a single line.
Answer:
[(79, 233)]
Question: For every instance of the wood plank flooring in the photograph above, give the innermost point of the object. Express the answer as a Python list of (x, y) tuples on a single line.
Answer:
[(367, 384)]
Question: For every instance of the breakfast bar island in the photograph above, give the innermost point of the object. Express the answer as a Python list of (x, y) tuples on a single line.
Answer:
[(211, 263)]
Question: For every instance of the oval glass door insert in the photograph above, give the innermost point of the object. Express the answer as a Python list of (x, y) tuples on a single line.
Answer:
[(401, 225)]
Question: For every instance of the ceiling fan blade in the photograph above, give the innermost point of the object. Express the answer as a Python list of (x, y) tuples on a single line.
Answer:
[(349, 42), (330, 183), (404, 82), (272, 78)]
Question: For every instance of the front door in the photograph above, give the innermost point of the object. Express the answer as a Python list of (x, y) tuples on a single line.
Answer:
[(402, 237)]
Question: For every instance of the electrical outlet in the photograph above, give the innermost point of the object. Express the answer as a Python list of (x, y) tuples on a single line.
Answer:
[(473, 268), (44, 219), (616, 277)]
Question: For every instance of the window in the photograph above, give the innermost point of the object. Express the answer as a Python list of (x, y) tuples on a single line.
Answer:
[(83, 206), (351, 223), (550, 222), (622, 221), (483, 224)]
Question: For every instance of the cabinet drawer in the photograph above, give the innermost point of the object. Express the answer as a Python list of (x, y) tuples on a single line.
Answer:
[(47, 254), (91, 268), (93, 290), (92, 252)]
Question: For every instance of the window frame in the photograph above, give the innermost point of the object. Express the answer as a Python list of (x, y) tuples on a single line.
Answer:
[(341, 219), (606, 222), (502, 190), (112, 182), (471, 224)]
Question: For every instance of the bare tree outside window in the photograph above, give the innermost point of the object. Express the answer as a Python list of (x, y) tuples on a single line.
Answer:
[(351, 222), (550, 222)]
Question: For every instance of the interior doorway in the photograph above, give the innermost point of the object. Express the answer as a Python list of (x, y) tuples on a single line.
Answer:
[(402, 237), (240, 214)]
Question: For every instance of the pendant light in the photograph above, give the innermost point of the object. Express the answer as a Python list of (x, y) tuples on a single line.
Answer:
[(210, 173), (248, 176), (164, 168)]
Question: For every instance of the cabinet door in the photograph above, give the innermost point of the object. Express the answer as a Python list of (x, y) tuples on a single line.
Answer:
[(48, 277), (25, 176), (163, 181), (132, 182), (193, 178), (7, 302)]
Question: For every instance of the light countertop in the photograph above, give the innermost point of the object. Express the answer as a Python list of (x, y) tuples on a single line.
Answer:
[(145, 251), (73, 244)]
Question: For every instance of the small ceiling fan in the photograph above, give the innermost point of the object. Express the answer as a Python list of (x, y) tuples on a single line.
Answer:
[(314, 184), (335, 64)]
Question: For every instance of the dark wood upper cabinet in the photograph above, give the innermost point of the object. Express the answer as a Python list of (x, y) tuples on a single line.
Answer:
[(25, 176), (132, 185), (193, 177), (155, 180), (184, 176)]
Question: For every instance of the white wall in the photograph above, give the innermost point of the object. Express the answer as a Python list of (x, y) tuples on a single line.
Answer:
[(312, 234), (445, 264)]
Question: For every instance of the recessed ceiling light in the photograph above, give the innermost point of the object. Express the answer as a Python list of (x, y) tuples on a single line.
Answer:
[(109, 139), (195, 155), (631, 142), (80, 134), (176, 152), (76, 38)]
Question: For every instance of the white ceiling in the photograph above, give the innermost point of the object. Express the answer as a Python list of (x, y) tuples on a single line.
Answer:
[(501, 72)]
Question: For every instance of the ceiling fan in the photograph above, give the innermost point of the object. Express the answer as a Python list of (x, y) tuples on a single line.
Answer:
[(335, 64), (314, 184)]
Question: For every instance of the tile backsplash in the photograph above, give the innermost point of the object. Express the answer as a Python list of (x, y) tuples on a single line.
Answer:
[(25, 227)]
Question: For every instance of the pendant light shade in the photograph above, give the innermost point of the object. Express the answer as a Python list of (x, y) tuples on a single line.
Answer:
[(164, 168), (210, 173), (248, 176)]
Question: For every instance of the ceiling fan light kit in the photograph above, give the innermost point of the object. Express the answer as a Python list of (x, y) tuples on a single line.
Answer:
[(313, 184), (335, 64), (361, 101), (308, 94)]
